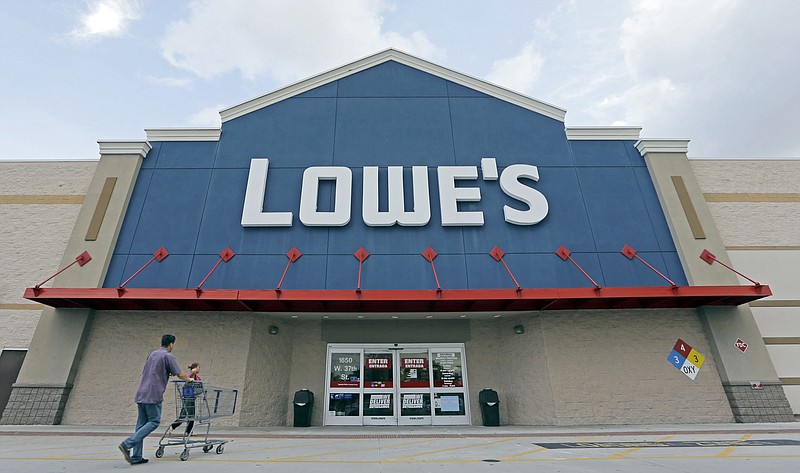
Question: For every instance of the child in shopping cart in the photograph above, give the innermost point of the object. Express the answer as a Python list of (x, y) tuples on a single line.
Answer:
[(188, 409)]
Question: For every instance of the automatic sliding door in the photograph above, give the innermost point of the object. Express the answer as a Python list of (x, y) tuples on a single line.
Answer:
[(379, 388), (415, 387), (411, 384), (344, 387), (450, 403)]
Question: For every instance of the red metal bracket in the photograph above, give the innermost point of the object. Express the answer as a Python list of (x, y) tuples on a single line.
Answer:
[(709, 258), (361, 254), (564, 254), (293, 255), (498, 254), (430, 254), (159, 256), (81, 259), (630, 253), (225, 255)]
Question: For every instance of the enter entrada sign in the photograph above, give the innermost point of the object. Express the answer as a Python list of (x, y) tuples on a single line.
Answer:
[(686, 359)]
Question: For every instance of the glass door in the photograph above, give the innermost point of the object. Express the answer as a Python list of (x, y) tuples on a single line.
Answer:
[(450, 403), (415, 387), (344, 387), (411, 384), (380, 392)]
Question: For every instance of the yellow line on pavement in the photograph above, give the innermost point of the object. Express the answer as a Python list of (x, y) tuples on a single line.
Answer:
[(517, 455), (63, 446), (631, 450), (446, 450), (730, 450), (509, 457), (299, 445), (339, 452)]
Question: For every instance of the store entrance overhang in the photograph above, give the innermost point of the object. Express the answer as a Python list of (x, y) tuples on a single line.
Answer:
[(376, 301)]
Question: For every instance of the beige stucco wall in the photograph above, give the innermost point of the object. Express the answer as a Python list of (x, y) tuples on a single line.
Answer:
[(605, 367), (594, 367), (746, 176), (33, 235), (758, 222), (308, 367), (515, 365), (234, 350), (119, 342), (763, 241), (269, 363)]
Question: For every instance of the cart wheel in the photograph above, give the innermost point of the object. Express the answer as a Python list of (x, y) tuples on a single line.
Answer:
[(207, 448), (160, 452), (220, 448), (185, 455)]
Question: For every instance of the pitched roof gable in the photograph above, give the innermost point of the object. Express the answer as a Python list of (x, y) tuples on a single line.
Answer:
[(402, 58)]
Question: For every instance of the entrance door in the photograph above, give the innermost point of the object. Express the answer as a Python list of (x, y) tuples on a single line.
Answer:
[(450, 404), (380, 389), (415, 386), (411, 384)]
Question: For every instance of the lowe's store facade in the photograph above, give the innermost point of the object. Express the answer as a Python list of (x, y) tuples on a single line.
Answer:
[(396, 237)]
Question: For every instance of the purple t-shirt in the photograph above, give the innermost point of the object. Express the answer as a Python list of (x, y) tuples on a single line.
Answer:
[(157, 370)]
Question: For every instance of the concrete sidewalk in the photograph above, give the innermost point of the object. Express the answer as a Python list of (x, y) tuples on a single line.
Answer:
[(626, 448)]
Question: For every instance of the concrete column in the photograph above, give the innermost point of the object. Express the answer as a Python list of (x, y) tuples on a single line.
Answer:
[(45, 380), (693, 230)]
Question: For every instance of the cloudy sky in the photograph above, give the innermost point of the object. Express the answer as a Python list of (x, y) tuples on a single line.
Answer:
[(722, 73)]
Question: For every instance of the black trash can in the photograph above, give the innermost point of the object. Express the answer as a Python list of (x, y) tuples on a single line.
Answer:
[(490, 407), (303, 403)]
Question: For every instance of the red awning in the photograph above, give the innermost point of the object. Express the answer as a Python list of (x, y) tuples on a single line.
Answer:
[(447, 300)]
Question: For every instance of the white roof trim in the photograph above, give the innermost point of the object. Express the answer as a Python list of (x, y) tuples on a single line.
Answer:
[(393, 55), (662, 146), (182, 134), (124, 147), (603, 133)]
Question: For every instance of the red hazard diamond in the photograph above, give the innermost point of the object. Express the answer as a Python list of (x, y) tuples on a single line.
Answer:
[(361, 254), (160, 254), (227, 254), (293, 254), (497, 253), (430, 254), (741, 345), (628, 252)]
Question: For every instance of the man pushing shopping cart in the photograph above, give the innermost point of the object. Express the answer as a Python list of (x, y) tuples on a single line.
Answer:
[(197, 403), (204, 402)]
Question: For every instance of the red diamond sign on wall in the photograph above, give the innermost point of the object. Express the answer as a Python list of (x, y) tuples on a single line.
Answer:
[(741, 345)]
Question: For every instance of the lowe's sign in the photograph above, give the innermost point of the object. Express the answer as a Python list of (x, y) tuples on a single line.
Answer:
[(450, 195)]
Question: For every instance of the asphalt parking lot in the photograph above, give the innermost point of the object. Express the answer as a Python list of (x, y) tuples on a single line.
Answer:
[(654, 448)]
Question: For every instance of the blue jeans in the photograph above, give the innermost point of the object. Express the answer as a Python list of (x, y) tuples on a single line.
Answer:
[(147, 421)]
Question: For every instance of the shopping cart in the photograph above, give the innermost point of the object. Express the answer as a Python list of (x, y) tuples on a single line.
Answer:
[(198, 403)]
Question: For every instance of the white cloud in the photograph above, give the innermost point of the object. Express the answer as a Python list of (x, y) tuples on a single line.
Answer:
[(169, 81), (719, 72), (283, 39), (520, 72), (107, 18), (207, 117)]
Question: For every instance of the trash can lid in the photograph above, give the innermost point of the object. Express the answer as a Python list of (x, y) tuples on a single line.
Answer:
[(488, 395), (303, 396)]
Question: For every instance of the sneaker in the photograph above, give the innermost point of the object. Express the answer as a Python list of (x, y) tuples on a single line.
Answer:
[(125, 453), (139, 461)]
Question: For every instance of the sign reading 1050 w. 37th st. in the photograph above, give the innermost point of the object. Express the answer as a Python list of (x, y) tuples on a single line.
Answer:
[(686, 359)]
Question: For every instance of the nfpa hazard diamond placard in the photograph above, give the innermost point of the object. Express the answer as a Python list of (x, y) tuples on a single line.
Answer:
[(686, 359)]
